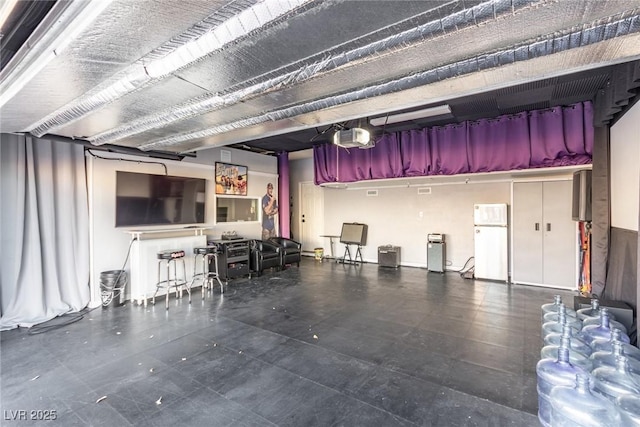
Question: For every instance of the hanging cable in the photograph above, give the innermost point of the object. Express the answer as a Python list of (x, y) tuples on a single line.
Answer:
[(166, 172), (115, 292), (464, 270), (69, 318)]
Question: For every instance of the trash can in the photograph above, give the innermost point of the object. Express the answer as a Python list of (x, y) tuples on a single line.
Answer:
[(112, 287), (319, 253)]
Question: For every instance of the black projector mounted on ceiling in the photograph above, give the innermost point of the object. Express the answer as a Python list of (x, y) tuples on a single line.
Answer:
[(352, 138)]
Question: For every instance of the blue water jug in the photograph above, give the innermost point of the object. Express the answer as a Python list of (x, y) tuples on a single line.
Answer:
[(576, 338), (615, 381), (610, 358), (552, 373), (578, 406), (602, 330), (592, 311), (575, 357), (554, 307), (555, 326), (603, 344), (629, 406)]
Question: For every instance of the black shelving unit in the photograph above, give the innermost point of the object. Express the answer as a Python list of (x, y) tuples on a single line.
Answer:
[(233, 258)]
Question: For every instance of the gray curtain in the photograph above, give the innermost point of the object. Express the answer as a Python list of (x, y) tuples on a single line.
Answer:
[(44, 230), (623, 265), (600, 200)]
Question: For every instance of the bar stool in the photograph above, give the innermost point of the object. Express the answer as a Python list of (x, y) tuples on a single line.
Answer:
[(169, 257), (206, 254)]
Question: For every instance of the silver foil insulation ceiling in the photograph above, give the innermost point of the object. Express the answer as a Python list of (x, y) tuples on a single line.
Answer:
[(186, 75)]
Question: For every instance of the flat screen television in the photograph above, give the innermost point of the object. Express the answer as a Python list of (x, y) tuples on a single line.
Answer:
[(146, 199)]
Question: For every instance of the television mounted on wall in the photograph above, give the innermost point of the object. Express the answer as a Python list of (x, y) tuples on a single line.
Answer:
[(144, 199)]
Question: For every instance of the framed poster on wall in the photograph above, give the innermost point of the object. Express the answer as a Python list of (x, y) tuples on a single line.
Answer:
[(231, 179)]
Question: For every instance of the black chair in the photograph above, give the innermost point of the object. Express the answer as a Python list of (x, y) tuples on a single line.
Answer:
[(291, 250), (264, 255)]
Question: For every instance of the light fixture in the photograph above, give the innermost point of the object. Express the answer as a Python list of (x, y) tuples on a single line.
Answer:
[(411, 115)]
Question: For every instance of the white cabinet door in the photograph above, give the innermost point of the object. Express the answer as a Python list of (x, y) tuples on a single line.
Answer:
[(560, 240), (544, 235), (527, 232)]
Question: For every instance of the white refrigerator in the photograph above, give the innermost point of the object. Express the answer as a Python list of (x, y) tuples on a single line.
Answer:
[(491, 239)]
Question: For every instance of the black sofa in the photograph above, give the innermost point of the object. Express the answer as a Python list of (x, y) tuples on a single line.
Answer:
[(264, 255), (290, 250)]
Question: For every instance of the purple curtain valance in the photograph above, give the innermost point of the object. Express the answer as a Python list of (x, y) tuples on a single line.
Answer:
[(559, 136)]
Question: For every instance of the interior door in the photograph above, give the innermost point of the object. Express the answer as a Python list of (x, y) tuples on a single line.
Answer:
[(527, 233), (311, 216), (560, 238)]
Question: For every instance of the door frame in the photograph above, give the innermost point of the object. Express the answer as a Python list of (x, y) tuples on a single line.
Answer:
[(319, 218)]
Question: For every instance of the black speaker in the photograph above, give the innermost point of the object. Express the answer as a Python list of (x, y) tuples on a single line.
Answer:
[(581, 196)]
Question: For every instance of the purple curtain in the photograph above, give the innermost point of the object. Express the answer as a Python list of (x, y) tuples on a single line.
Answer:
[(579, 133), (499, 144), (547, 137), (354, 164), (283, 195), (387, 163), (449, 149), (415, 153), (325, 163), (558, 136)]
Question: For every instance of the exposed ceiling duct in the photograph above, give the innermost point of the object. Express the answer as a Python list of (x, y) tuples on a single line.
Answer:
[(195, 74), (217, 31), (63, 25), (305, 70)]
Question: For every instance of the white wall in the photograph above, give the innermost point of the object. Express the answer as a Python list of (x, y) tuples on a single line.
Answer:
[(109, 244), (399, 216), (624, 171)]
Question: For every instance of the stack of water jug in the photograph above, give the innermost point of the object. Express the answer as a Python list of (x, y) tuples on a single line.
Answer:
[(588, 373)]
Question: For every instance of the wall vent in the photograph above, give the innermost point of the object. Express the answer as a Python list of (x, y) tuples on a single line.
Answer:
[(424, 190), (225, 156), (372, 193)]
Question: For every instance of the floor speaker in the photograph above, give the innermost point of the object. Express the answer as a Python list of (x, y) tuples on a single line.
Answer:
[(389, 256)]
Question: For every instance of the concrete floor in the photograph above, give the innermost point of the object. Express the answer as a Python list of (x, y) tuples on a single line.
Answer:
[(324, 344)]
